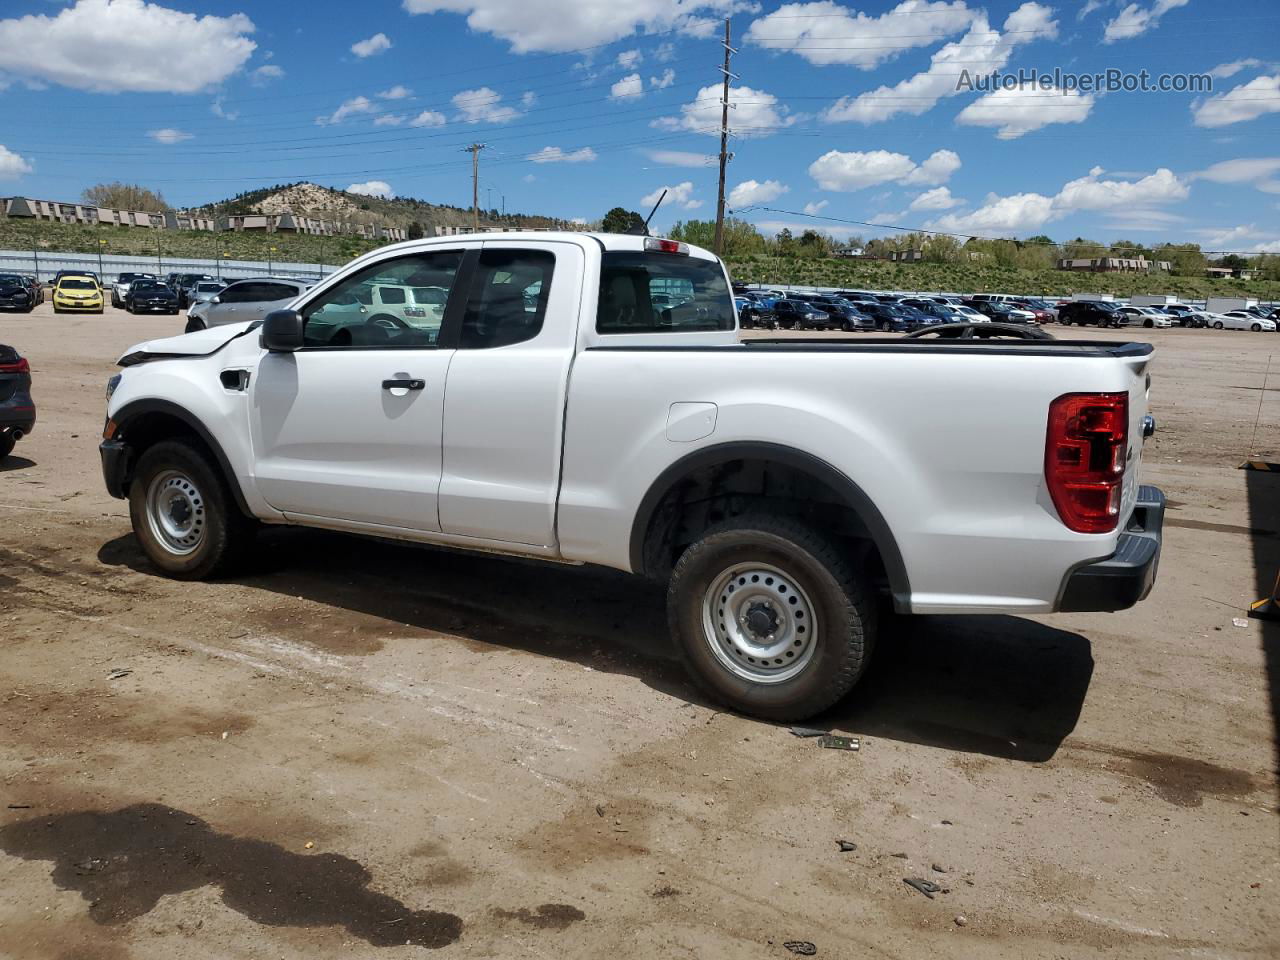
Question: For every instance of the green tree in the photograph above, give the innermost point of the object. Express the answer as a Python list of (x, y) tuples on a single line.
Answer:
[(620, 220), (415, 231), (124, 196)]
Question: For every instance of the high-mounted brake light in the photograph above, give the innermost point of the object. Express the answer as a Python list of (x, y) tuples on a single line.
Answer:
[(20, 367), (659, 245), (1084, 458)]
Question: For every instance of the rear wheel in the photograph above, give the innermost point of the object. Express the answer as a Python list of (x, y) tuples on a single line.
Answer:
[(770, 617), (6, 444), (183, 513)]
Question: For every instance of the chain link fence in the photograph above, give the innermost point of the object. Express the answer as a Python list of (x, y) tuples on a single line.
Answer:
[(43, 265)]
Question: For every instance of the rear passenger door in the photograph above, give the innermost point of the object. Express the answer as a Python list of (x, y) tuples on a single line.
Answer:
[(505, 393)]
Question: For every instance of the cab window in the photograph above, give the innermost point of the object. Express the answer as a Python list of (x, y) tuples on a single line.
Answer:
[(645, 292), (508, 300), (350, 315)]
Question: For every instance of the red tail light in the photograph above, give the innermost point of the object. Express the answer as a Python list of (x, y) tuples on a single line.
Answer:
[(1084, 458), (20, 367)]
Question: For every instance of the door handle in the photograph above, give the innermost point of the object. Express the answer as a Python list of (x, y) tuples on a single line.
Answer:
[(404, 384)]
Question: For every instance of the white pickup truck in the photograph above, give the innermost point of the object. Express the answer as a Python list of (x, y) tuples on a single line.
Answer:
[(585, 398)]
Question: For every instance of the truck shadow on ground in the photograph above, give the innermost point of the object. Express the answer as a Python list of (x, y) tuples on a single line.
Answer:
[(995, 685), (1263, 492), (14, 462)]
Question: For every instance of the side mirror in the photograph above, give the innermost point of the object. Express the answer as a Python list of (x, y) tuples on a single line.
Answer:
[(282, 331), (216, 300)]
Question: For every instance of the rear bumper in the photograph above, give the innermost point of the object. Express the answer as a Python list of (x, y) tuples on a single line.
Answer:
[(1125, 577)]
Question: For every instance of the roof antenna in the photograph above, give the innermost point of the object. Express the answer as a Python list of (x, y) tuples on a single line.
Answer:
[(643, 229)]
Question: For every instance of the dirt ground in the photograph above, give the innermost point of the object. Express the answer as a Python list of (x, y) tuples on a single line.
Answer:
[(359, 749)]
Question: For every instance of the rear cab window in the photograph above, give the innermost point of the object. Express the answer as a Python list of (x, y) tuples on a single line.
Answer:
[(652, 292)]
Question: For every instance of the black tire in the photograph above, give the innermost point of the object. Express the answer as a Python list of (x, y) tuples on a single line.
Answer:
[(1256, 328), (6, 444), (884, 326), (1148, 323), (194, 324), (223, 532), (1217, 324), (840, 601)]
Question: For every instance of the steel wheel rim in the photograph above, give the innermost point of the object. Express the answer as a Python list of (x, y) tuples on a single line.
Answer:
[(759, 622), (176, 512)]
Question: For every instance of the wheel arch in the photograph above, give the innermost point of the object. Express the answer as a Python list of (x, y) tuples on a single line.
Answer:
[(142, 423), (849, 494)]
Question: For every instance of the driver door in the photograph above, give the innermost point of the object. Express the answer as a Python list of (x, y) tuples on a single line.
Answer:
[(348, 428)]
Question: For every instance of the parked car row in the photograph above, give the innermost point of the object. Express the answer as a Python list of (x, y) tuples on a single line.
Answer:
[(851, 310), (20, 292)]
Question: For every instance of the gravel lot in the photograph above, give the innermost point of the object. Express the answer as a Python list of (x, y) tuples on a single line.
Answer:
[(356, 745)]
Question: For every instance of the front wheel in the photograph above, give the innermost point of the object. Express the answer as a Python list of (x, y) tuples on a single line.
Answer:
[(1256, 328), (770, 617), (6, 444), (1217, 325), (183, 513)]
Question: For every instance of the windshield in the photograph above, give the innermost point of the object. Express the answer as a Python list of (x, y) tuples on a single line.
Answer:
[(9, 280), (208, 287), (77, 283), (149, 285)]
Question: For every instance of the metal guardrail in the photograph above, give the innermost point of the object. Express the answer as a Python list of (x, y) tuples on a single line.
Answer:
[(44, 265)]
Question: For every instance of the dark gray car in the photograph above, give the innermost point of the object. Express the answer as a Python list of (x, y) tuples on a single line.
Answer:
[(245, 300)]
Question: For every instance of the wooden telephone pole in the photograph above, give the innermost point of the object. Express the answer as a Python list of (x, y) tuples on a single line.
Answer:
[(724, 139), (474, 150)]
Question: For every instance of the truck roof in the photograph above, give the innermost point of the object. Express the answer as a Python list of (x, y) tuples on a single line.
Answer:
[(609, 241)]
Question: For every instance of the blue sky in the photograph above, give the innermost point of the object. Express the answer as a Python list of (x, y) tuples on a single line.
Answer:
[(841, 111)]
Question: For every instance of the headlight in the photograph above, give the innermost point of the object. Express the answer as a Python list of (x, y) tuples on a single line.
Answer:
[(112, 384)]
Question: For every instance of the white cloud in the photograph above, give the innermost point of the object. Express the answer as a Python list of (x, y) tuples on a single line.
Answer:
[(398, 92), (752, 191), (813, 209), (664, 52), (935, 168), (528, 99), (980, 51), (681, 195), (528, 178), (826, 32), (218, 110), (483, 105), (939, 198), (1024, 212), (169, 135), (1245, 237), (12, 165), (1246, 102), (428, 118), (667, 79), (628, 59), (629, 87), (1261, 172), (1001, 215), (754, 114), (265, 74), (857, 170), (389, 120), (374, 45), (1091, 193), (1089, 7), (1224, 70), (119, 46), (348, 108), (556, 155), (680, 158), (1025, 108), (1134, 20), (557, 26), (372, 188)]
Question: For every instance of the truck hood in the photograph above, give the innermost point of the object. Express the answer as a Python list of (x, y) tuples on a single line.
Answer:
[(198, 344)]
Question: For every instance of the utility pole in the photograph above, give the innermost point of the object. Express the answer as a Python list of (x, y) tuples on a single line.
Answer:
[(724, 139), (474, 150)]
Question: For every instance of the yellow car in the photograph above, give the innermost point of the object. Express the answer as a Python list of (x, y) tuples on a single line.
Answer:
[(77, 294)]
